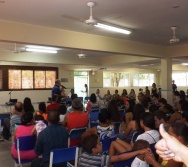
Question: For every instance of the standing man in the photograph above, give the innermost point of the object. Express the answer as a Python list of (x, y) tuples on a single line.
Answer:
[(56, 90), (55, 136), (174, 87)]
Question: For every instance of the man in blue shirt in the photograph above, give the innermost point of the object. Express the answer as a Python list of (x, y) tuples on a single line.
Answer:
[(55, 136), (56, 90)]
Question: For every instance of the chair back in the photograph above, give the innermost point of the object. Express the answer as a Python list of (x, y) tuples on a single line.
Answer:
[(64, 155), (93, 119), (2, 117), (76, 133), (81, 99), (24, 143), (126, 163), (106, 143), (95, 109)]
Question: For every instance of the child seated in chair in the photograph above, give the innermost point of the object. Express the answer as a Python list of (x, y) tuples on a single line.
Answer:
[(139, 160), (92, 153)]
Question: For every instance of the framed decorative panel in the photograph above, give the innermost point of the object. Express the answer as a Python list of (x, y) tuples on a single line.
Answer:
[(14, 78), (39, 79)]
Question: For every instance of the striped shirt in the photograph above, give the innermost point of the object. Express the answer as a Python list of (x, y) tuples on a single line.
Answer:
[(90, 160)]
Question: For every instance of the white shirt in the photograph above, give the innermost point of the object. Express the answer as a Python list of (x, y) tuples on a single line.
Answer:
[(139, 163), (152, 136)]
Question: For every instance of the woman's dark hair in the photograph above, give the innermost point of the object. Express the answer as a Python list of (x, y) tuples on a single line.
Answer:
[(182, 94), (104, 115), (181, 129), (184, 104), (38, 117), (26, 118), (42, 107), (28, 107), (89, 142), (62, 109), (114, 111), (160, 115), (148, 120), (153, 108), (138, 110), (124, 92), (93, 98), (131, 105), (176, 93), (163, 101)]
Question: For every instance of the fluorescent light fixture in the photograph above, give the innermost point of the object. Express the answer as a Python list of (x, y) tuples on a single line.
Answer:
[(41, 47), (41, 50), (111, 28), (184, 64)]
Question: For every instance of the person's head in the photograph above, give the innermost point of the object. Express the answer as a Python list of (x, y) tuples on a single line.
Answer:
[(160, 117), (182, 94), (54, 98), (57, 82), (72, 91), (162, 102), (116, 91), (173, 81), (97, 91), (85, 85), (26, 118), (140, 144), (176, 93), (18, 107), (62, 109), (27, 101), (104, 116), (77, 105), (183, 105), (129, 105), (28, 107), (38, 117), (74, 96), (154, 85), (147, 121), (124, 92), (155, 96), (132, 91), (108, 92), (91, 144), (42, 107), (179, 131), (53, 117), (146, 88), (140, 96), (93, 98), (153, 108)]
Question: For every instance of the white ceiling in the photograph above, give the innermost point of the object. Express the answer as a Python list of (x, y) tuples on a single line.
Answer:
[(150, 20)]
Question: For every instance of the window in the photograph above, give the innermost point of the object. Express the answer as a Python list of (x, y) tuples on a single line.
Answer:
[(112, 79), (180, 78), (143, 79), (18, 78)]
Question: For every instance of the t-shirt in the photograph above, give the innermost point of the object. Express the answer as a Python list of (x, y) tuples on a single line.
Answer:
[(90, 160), (139, 163), (52, 106), (105, 132), (152, 136)]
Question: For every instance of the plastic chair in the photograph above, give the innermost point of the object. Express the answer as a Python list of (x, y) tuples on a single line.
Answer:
[(93, 119), (63, 155), (126, 163), (76, 133), (95, 109), (106, 143), (24, 143)]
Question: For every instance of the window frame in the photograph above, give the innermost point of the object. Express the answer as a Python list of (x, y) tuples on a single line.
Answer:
[(5, 75)]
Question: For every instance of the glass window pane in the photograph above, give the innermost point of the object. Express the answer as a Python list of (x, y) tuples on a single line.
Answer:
[(1, 79), (50, 78), (27, 79), (14, 79), (180, 78), (39, 77)]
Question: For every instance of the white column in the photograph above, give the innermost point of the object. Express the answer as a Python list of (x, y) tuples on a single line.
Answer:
[(166, 79)]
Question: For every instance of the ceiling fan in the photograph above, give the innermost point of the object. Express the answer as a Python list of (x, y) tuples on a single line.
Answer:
[(97, 23), (174, 38)]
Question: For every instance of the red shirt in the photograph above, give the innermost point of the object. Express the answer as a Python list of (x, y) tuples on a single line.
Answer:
[(52, 106)]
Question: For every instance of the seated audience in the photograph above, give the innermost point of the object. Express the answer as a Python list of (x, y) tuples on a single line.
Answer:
[(74, 96), (92, 153), (98, 96), (116, 96), (28, 107), (76, 119), (53, 137), (53, 105), (132, 94), (24, 129), (124, 93), (107, 96)]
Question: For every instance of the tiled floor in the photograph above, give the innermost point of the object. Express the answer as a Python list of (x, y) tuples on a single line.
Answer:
[(5, 155)]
